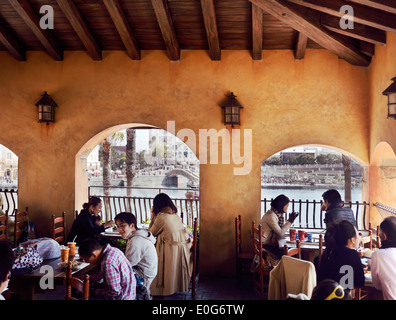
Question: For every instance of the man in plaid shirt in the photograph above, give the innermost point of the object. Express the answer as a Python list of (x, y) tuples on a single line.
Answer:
[(115, 270)]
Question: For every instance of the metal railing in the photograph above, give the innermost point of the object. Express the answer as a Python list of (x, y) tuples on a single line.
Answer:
[(311, 216), (188, 209), (9, 200)]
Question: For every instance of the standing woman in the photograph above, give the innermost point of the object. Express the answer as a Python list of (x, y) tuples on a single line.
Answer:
[(273, 225), (173, 248), (84, 226)]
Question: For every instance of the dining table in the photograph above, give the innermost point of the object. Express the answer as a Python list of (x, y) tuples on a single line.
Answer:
[(50, 274)]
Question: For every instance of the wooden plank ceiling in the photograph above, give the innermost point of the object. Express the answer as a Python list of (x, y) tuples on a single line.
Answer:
[(212, 25)]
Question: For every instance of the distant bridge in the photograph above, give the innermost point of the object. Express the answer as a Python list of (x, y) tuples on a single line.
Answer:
[(171, 176)]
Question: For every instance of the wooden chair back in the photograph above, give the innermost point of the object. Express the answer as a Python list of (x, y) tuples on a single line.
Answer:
[(293, 251), (238, 235), (195, 257), (264, 267), (3, 227), (378, 238), (321, 245), (21, 222), (58, 228), (241, 258), (75, 214), (79, 285)]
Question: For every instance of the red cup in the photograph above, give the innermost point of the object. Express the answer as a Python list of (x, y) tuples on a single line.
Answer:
[(292, 234), (301, 235)]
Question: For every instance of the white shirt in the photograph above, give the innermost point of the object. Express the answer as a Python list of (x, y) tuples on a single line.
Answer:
[(383, 271)]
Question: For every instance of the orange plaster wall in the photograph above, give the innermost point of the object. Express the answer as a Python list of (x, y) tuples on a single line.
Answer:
[(382, 130), (319, 100)]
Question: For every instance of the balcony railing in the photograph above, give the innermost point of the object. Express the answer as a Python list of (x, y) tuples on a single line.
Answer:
[(141, 206), (311, 216), (9, 199)]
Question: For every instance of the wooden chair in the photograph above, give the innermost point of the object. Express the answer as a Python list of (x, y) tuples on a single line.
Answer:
[(79, 285), (293, 251), (378, 238), (58, 228), (264, 266), (75, 214), (3, 227), (195, 258), (241, 258), (321, 244), (21, 222)]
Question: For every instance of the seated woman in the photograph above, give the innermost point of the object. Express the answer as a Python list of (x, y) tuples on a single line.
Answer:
[(84, 226), (140, 248), (273, 225), (173, 248), (341, 261)]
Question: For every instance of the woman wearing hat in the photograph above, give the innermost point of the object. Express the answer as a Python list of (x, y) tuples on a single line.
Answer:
[(273, 225)]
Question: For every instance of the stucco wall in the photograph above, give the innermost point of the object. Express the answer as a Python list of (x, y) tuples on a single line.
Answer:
[(318, 100)]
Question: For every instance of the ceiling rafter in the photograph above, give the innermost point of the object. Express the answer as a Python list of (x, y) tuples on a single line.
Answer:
[(308, 22), (209, 15), (124, 29), (73, 15), (384, 5), (359, 31), (12, 45), (361, 14), (167, 29), (257, 32), (31, 18), (301, 45)]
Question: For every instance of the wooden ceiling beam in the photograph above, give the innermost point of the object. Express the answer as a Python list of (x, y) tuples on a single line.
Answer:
[(301, 45), (257, 32), (361, 14), (73, 15), (359, 31), (384, 5), (209, 15), (167, 29), (12, 45), (26, 12), (308, 22), (124, 30)]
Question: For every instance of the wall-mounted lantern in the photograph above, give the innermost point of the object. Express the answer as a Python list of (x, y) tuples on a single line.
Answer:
[(46, 108), (391, 93), (232, 109)]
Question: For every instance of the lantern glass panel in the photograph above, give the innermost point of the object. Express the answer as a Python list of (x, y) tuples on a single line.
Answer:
[(392, 109), (235, 110), (235, 118), (392, 98), (227, 118)]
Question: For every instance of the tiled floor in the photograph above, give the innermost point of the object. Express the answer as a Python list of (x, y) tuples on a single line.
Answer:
[(207, 288)]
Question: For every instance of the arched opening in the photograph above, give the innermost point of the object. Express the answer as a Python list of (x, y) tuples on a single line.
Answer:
[(8, 181), (161, 163), (304, 173)]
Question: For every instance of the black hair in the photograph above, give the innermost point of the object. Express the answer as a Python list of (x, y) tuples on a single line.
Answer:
[(7, 259), (279, 202), (325, 288), (93, 201), (332, 196), (338, 234), (388, 226), (126, 217), (162, 200), (88, 246)]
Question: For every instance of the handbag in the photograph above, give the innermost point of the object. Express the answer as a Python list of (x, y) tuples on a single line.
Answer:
[(27, 258)]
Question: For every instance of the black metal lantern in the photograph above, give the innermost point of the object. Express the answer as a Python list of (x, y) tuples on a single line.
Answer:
[(391, 93), (46, 108), (232, 109)]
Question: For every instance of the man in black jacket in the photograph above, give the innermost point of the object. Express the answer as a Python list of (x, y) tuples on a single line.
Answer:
[(335, 210)]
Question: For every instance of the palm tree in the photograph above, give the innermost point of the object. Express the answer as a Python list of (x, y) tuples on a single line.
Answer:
[(346, 162), (130, 158)]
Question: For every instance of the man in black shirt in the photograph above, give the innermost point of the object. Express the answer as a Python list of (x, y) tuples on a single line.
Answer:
[(335, 210)]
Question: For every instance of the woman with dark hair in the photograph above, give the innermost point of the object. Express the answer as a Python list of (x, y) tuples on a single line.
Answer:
[(341, 261), (173, 248), (84, 226), (140, 249), (273, 225)]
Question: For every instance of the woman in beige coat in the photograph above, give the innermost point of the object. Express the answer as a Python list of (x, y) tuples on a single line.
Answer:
[(173, 248)]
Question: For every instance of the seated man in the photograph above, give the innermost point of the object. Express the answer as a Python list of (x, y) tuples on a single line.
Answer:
[(335, 210), (383, 260), (6, 262), (115, 270)]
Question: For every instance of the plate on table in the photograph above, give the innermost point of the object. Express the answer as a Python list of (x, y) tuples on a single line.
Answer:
[(74, 263)]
